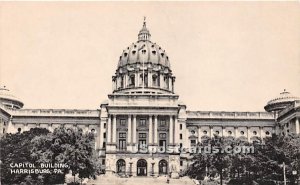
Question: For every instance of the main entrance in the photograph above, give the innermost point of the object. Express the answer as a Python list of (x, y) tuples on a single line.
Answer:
[(163, 167), (141, 167)]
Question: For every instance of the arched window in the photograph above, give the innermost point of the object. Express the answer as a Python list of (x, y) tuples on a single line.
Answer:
[(154, 80), (132, 81), (163, 167), (141, 167), (121, 166), (122, 82)]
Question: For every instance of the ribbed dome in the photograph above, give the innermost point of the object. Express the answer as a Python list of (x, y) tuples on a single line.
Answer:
[(9, 100), (144, 51), (283, 100), (143, 67)]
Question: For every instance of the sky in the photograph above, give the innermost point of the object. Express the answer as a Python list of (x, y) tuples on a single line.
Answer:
[(226, 56)]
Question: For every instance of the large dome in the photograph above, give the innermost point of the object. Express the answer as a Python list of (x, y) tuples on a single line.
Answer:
[(143, 67), (144, 51), (282, 101)]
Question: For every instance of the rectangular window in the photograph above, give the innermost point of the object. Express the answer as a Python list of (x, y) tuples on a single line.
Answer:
[(123, 122), (162, 123), (104, 135), (122, 135), (142, 140), (181, 163), (103, 161), (180, 126), (122, 141), (104, 145), (162, 143), (142, 122), (180, 145), (142, 143), (193, 142), (122, 144), (180, 136), (162, 135), (142, 135), (104, 126)]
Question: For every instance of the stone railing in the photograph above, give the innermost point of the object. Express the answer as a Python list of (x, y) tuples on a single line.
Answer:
[(55, 112), (229, 115)]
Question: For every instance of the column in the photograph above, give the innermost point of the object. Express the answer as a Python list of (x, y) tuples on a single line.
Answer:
[(171, 141), (129, 130), (173, 79), (108, 130), (100, 134), (150, 78), (223, 131), (177, 132), (136, 79), (150, 130), (297, 126), (170, 83), (134, 130), (248, 134), (125, 80), (211, 132), (199, 134), (236, 132), (155, 129), (161, 81), (261, 132), (114, 129)]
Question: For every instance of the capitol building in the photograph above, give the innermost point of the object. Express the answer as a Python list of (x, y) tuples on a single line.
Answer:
[(143, 111)]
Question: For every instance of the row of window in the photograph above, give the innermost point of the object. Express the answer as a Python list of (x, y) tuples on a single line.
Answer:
[(229, 132), (142, 123), (142, 140), (144, 52), (155, 80)]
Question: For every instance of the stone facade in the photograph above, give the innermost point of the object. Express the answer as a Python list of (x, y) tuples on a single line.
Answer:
[(143, 111)]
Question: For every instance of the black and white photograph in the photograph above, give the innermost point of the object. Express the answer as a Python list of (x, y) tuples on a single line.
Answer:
[(150, 92)]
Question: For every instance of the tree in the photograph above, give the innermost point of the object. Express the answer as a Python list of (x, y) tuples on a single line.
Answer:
[(263, 166), (68, 146), (217, 159), (16, 148)]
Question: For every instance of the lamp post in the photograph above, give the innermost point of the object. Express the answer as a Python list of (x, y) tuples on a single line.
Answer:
[(284, 176)]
